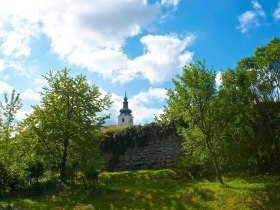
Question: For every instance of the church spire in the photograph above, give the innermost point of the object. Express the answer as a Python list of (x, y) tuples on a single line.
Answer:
[(125, 117), (125, 102), (125, 110)]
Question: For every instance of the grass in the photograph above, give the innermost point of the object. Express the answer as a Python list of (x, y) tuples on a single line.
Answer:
[(162, 189)]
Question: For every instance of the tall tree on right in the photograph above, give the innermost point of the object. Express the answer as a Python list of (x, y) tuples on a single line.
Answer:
[(193, 102), (251, 94)]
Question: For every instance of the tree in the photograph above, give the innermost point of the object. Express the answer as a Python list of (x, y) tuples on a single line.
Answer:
[(9, 108), (67, 118), (251, 98), (193, 99), (9, 155)]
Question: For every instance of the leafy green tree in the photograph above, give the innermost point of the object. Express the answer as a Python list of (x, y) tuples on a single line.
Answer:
[(67, 118), (9, 155), (251, 103), (9, 109), (193, 100), (235, 121)]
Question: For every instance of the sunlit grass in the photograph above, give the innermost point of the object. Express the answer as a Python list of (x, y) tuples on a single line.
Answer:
[(162, 189)]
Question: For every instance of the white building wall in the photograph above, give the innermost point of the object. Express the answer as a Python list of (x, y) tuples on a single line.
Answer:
[(125, 119)]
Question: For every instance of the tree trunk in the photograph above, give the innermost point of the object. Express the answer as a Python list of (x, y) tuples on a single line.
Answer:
[(64, 160), (215, 162), (218, 172)]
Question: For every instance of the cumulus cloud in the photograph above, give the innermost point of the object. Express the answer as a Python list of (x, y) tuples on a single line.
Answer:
[(5, 88), (16, 30), (163, 57), (39, 83), (30, 94), (1, 64), (153, 94), (218, 79), (22, 114), (276, 13), (250, 18), (92, 34), (18, 67), (6, 77)]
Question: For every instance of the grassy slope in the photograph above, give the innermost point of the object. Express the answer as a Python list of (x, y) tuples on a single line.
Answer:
[(162, 190)]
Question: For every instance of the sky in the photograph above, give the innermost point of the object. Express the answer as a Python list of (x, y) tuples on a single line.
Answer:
[(132, 45)]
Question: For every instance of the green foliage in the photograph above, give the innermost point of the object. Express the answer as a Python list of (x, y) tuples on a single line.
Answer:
[(115, 128), (12, 156), (249, 105), (9, 109), (84, 207), (118, 140), (237, 124), (194, 99), (4, 180), (67, 121)]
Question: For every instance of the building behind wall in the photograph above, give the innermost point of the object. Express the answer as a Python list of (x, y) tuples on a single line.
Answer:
[(125, 117)]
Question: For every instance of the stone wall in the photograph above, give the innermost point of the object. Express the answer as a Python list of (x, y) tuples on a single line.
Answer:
[(156, 153)]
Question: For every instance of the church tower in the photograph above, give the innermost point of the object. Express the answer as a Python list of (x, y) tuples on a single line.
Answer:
[(125, 117)]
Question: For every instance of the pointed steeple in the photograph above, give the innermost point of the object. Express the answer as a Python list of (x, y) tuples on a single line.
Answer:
[(125, 117), (125, 110), (125, 97)]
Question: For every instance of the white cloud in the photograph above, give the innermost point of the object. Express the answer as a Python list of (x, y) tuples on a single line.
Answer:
[(95, 25), (5, 88), (170, 2), (163, 57), (6, 77), (246, 19), (276, 13), (92, 34), (72, 24), (258, 8), (22, 114), (16, 30), (145, 114), (15, 45), (250, 18), (218, 79), (153, 94), (39, 83), (2, 64), (18, 67), (30, 94)]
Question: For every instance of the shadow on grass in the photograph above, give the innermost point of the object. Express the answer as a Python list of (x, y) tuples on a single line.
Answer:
[(143, 192), (262, 192), (164, 196)]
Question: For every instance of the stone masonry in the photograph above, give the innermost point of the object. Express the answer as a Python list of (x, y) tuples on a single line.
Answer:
[(154, 154)]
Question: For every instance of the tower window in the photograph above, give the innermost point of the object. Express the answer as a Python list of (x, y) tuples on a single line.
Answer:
[(122, 119)]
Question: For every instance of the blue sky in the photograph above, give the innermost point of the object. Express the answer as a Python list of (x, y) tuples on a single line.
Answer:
[(133, 45)]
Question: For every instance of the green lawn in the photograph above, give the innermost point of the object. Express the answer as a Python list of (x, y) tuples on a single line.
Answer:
[(162, 189)]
